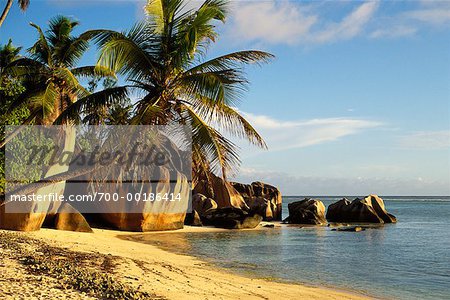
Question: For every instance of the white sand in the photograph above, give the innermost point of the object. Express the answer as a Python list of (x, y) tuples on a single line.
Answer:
[(172, 275)]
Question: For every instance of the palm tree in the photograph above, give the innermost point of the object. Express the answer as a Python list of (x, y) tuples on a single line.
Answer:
[(23, 4), (51, 75), (9, 86), (163, 59)]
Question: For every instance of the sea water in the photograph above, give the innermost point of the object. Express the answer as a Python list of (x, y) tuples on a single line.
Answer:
[(406, 260)]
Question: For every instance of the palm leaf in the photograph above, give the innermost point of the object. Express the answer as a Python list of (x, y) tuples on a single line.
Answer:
[(224, 86), (93, 102), (71, 82), (209, 143), (44, 101), (41, 49), (227, 119), (232, 60), (93, 71)]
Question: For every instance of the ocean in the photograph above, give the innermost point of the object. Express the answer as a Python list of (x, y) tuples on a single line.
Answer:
[(407, 260)]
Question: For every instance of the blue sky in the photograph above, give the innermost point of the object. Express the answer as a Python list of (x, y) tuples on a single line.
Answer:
[(357, 100)]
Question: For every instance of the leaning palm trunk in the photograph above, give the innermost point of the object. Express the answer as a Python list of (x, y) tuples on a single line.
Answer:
[(23, 4), (5, 11)]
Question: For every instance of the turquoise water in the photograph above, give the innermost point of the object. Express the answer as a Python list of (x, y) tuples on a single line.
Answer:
[(407, 260)]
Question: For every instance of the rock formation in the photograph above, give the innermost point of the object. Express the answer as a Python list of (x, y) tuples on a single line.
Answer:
[(223, 192), (193, 219), (202, 204), (231, 218), (370, 209), (261, 198), (307, 211), (70, 219)]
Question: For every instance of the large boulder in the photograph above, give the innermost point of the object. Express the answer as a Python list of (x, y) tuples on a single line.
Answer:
[(67, 218), (202, 204), (261, 198), (149, 215), (20, 221), (231, 218), (193, 219), (370, 209), (307, 211), (222, 191), (30, 215)]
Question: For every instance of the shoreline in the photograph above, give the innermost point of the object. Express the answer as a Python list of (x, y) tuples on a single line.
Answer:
[(152, 270)]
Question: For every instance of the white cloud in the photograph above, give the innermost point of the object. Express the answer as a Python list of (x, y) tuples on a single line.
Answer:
[(282, 135), (299, 23), (288, 23), (394, 32), (351, 26), (427, 140), (433, 16), (271, 22)]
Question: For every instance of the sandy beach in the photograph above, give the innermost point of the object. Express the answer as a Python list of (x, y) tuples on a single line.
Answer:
[(144, 268)]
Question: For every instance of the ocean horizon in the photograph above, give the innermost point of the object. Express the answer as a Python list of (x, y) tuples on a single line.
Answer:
[(406, 260)]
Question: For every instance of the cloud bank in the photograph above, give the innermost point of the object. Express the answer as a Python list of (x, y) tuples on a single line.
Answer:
[(303, 23), (283, 135)]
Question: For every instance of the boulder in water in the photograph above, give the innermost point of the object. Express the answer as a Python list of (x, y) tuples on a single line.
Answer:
[(307, 211), (231, 218), (261, 198), (370, 209)]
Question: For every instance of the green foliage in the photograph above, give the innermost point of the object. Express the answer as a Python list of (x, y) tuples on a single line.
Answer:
[(51, 75), (160, 58), (163, 61), (10, 89)]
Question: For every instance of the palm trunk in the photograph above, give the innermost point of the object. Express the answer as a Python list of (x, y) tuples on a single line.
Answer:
[(5, 11)]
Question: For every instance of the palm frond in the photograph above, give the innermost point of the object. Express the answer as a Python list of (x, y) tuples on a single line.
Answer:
[(93, 71), (221, 153), (163, 12), (232, 60), (127, 54), (44, 102), (93, 102), (72, 51), (197, 30), (60, 29), (23, 4), (71, 82), (227, 119), (224, 86), (154, 9), (41, 49)]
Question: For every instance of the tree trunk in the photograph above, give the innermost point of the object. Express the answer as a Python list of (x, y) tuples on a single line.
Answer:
[(5, 11)]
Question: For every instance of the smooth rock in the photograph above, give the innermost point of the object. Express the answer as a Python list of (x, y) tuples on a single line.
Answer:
[(307, 211), (69, 219), (261, 198), (202, 204), (223, 193), (231, 218), (370, 209), (193, 219), (352, 229)]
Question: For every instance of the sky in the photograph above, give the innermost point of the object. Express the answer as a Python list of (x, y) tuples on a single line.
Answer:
[(357, 100)]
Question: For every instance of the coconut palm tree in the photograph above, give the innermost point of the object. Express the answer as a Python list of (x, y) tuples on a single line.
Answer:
[(163, 59), (51, 75), (23, 4)]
